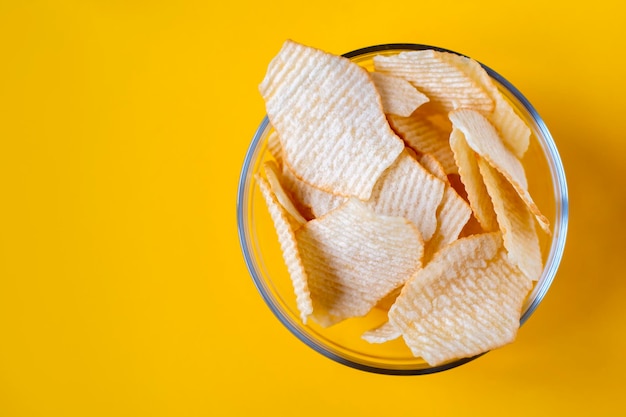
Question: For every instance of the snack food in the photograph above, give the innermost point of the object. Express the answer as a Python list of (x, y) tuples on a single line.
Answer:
[(459, 93)]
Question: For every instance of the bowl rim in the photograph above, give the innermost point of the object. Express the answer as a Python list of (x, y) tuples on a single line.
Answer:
[(555, 255)]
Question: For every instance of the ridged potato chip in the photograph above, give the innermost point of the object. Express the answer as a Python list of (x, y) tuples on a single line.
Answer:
[(289, 247), (354, 257), (308, 198), (330, 121), (466, 301), (273, 178), (515, 221), (483, 138), (408, 190), (398, 95), (477, 195), (423, 136), (444, 83), (452, 216), (514, 132)]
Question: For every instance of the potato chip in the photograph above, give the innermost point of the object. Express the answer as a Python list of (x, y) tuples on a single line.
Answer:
[(444, 83), (433, 166), (397, 94), (477, 195), (423, 136), (275, 148), (452, 216), (466, 301), (308, 198), (408, 190), (516, 222), (354, 257), (272, 175), (387, 301), (483, 138), (329, 118), (512, 129), (289, 248), (383, 333)]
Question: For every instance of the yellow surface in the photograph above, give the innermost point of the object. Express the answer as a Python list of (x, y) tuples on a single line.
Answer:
[(123, 126)]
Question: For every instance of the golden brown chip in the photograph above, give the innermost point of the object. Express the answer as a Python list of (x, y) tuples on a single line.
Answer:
[(477, 195), (407, 189), (466, 301), (354, 257), (483, 138), (383, 333), (272, 175), (516, 222), (421, 135), (329, 118), (289, 249), (443, 82), (514, 132), (398, 95)]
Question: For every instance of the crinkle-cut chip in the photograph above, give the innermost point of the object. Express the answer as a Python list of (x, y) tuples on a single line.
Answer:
[(424, 137), (311, 199), (383, 333), (433, 166), (289, 247), (513, 130), (516, 222), (387, 301), (273, 178), (407, 189), (330, 121), (477, 195), (483, 138), (397, 94), (466, 301), (354, 257), (274, 147), (452, 216), (443, 82)]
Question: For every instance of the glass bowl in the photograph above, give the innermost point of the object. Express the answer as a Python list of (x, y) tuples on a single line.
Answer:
[(342, 342)]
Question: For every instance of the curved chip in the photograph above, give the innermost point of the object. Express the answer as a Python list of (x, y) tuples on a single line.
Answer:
[(452, 216), (309, 198), (423, 136), (443, 82), (289, 248), (397, 94), (329, 119), (477, 195), (514, 132), (516, 222), (407, 189), (272, 175), (354, 257), (383, 333), (466, 301), (433, 166), (483, 138)]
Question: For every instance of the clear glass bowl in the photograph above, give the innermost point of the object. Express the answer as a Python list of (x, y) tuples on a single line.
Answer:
[(342, 342)]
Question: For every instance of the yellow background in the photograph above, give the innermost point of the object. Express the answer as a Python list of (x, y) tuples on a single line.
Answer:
[(123, 127)]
